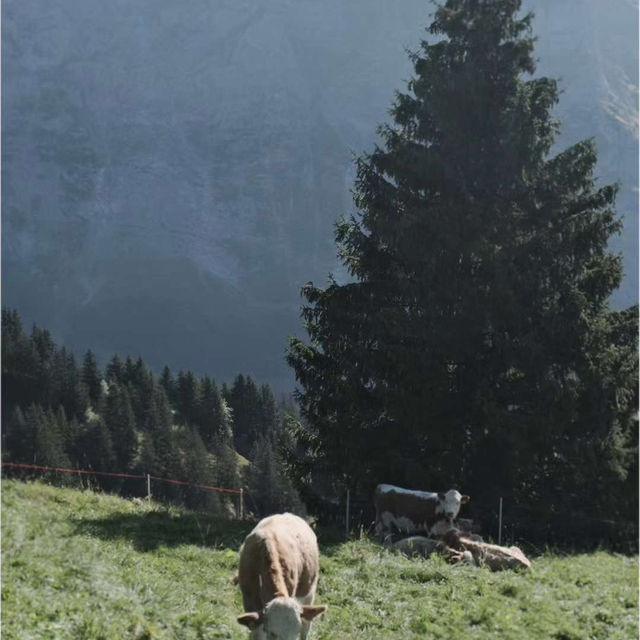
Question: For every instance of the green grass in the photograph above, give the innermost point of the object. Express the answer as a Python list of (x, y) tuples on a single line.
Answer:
[(84, 566)]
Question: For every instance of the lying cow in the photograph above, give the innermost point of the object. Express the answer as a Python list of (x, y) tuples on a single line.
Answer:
[(493, 556), (425, 547), (278, 575), (411, 511)]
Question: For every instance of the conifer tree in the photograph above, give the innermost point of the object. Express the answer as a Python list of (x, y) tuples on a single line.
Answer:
[(21, 371), (115, 370), (197, 469), (120, 420), (92, 378), (226, 460), (246, 402), (140, 385), (187, 397), (97, 447), (474, 344), (269, 488), (49, 441), (209, 413), (167, 455), (168, 383), (19, 436)]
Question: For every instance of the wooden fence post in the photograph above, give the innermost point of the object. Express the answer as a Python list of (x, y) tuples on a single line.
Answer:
[(500, 523), (346, 521), (241, 503), (148, 487)]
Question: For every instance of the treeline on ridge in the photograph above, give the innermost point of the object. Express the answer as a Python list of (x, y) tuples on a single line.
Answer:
[(62, 413)]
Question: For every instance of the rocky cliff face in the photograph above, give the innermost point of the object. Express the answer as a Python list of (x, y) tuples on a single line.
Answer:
[(172, 172)]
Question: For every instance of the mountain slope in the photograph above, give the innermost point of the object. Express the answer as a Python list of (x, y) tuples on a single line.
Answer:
[(171, 176)]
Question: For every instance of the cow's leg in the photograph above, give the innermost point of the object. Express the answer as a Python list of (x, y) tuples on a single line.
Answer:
[(308, 599)]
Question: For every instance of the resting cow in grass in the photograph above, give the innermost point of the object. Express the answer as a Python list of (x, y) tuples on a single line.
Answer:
[(278, 575), (411, 511)]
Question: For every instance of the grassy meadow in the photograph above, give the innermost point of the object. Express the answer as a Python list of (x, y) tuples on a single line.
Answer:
[(79, 565)]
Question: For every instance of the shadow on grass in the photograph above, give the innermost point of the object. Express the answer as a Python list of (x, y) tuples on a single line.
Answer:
[(148, 531)]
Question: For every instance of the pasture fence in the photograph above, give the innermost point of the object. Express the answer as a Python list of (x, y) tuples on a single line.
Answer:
[(147, 478)]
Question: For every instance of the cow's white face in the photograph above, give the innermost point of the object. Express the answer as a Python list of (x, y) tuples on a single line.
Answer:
[(449, 503), (281, 619)]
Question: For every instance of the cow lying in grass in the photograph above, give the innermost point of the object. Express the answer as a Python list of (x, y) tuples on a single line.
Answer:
[(484, 554), (278, 575), (458, 547)]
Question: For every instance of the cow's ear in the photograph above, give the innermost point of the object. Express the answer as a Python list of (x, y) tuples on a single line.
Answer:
[(310, 611), (464, 499), (251, 620), (441, 496)]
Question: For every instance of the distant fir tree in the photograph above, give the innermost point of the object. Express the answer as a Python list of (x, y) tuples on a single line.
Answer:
[(210, 419), (475, 344), (97, 447), (92, 378), (120, 420), (19, 436), (168, 383), (21, 370), (115, 370), (268, 486), (50, 451), (140, 384), (187, 397), (226, 461), (245, 400), (197, 470), (167, 459), (67, 387)]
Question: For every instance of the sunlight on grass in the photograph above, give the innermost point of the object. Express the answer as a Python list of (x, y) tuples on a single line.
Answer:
[(79, 565)]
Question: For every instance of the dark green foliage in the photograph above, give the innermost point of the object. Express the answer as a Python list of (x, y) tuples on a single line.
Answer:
[(120, 420), (92, 378), (168, 383), (226, 463), (474, 345), (209, 414), (115, 371), (19, 436), (140, 384), (50, 439), (97, 448), (58, 414), (187, 400), (197, 469), (253, 413), (269, 489)]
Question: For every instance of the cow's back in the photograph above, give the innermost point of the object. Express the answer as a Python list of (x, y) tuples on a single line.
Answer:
[(280, 556)]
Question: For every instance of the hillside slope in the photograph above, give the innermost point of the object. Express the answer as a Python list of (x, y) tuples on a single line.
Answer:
[(83, 566)]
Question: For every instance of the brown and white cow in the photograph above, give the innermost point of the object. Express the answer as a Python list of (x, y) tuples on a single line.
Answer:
[(278, 575), (411, 511)]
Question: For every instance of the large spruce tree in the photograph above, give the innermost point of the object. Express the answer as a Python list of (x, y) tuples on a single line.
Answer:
[(474, 344)]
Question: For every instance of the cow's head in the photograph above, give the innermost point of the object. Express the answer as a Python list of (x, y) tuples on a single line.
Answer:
[(449, 503), (281, 619)]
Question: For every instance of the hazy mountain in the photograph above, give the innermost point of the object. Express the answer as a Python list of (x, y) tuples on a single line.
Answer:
[(171, 171)]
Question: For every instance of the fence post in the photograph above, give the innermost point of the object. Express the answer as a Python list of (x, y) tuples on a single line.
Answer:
[(148, 487), (241, 503), (500, 523), (346, 521)]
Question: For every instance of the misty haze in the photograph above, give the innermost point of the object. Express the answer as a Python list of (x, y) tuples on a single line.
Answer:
[(171, 173)]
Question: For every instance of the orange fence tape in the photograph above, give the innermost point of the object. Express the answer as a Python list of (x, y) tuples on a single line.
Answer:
[(36, 467)]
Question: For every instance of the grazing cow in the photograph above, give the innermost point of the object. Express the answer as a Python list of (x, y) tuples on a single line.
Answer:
[(412, 511), (278, 575)]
